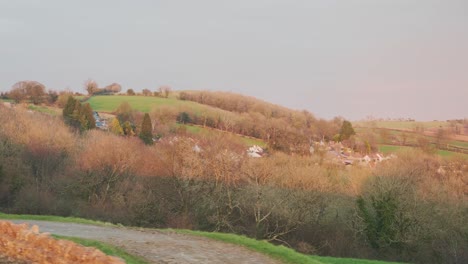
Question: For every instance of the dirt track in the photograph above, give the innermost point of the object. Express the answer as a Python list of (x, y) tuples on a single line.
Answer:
[(157, 246)]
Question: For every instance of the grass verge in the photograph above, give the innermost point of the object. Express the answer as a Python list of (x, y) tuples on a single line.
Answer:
[(53, 219), (106, 248), (281, 253)]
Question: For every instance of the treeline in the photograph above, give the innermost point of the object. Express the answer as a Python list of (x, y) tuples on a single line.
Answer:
[(30, 91), (407, 209), (282, 128)]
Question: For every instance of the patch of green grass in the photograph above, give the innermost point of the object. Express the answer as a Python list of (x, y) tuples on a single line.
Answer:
[(458, 143), (450, 154), (387, 149), (53, 218), (253, 141), (140, 103), (106, 248), (282, 253), (195, 129), (42, 109), (331, 260)]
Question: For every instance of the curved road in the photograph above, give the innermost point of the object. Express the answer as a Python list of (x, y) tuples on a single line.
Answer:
[(156, 246)]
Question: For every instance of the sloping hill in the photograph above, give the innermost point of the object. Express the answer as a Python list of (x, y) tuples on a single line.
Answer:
[(280, 128)]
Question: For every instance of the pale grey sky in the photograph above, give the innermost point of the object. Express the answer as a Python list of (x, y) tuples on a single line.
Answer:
[(350, 58)]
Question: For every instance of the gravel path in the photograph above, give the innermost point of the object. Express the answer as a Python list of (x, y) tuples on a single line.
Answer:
[(157, 246)]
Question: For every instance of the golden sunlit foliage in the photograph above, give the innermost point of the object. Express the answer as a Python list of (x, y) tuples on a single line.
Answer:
[(18, 242)]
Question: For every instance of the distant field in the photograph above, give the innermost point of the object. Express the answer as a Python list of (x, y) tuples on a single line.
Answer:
[(411, 137), (457, 143), (401, 125), (448, 154), (388, 149), (139, 103)]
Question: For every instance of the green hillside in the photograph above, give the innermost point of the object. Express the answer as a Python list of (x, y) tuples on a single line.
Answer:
[(139, 103), (149, 103)]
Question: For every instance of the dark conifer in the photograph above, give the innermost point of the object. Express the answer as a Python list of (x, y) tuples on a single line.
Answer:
[(146, 130)]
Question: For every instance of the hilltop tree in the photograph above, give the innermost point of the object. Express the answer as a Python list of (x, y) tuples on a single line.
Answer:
[(146, 92), (91, 86), (113, 88), (346, 130), (146, 133), (130, 92), (164, 91), (28, 90)]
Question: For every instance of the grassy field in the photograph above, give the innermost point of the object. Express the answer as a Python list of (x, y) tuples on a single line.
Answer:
[(281, 253), (139, 103), (449, 154), (389, 149), (147, 103), (401, 125), (458, 143)]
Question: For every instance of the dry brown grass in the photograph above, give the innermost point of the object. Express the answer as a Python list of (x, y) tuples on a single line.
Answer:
[(19, 243), (36, 130)]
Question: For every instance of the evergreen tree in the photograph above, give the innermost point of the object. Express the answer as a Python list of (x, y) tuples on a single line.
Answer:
[(184, 118), (88, 113), (115, 127), (346, 130), (78, 116), (146, 130), (69, 107), (128, 129)]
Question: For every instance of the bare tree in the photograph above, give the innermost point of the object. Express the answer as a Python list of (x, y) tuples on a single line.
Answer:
[(146, 92), (31, 90), (165, 90), (91, 86), (113, 88)]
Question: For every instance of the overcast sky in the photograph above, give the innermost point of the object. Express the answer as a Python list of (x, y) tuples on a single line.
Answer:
[(350, 58)]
